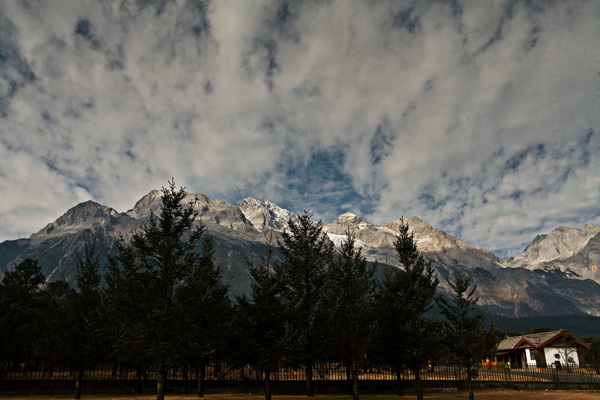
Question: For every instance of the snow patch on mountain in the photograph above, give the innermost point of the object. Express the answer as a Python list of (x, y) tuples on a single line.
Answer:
[(557, 274), (263, 214), (339, 239), (574, 252), (560, 244)]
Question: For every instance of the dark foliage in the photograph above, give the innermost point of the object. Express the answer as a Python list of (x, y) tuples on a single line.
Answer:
[(144, 276), (23, 312), (77, 336), (26, 276), (260, 318), (205, 314), (165, 308), (406, 336), (468, 342), (306, 255), (351, 292)]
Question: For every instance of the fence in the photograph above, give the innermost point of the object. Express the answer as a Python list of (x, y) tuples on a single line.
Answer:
[(321, 372)]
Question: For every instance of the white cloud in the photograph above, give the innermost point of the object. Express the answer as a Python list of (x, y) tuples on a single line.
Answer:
[(422, 107)]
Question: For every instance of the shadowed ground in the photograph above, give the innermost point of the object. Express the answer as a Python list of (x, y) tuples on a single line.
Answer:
[(479, 395)]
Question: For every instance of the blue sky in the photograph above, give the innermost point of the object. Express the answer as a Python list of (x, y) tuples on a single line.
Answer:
[(480, 118)]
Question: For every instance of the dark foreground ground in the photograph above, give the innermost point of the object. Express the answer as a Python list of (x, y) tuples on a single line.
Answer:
[(500, 394)]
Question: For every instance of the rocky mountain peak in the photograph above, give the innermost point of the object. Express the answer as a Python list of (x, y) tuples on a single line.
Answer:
[(569, 251), (589, 227), (147, 204), (560, 244), (415, 224), (349, 218), (564, 280), (151, 203), (263, 214), (80, 217)]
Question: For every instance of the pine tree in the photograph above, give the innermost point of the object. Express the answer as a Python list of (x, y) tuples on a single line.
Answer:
[(306, 255), (144, 276), (126, 309), (467, 341), (23, 310), (260, 318), (206, 313), (592, 355), (351, 304), (27, 275), (407, 337), (78, 338)]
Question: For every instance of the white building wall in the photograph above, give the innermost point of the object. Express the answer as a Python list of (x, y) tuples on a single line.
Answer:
[(529, 360), (571, 353)]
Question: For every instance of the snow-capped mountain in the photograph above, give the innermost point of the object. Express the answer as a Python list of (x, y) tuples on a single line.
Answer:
[(575, 252), (80, 217), (556, 275), (251, 214), (263, 214), (518, 291), (378, 242)]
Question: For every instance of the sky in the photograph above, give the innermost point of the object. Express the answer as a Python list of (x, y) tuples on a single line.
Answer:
[(482, 118)]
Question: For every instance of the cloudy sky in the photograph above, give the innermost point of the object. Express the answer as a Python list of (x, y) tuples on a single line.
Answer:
[(480, 117)]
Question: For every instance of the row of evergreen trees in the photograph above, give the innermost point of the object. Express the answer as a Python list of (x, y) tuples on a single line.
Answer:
[(161, 303)]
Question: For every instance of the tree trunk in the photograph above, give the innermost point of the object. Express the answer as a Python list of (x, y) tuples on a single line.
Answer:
[(78, 381), (138, 376), (309, 379), (470, 383), (201, 374), (185, 376), (267, 385), (348, 377), (354, 379), (399, 380), (418, 383), (162, 383)]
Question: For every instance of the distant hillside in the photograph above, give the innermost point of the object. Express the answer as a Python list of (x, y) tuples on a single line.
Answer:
[(578, 325), (557, 275)]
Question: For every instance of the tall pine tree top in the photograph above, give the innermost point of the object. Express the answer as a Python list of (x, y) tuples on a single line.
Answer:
[(26, 275), (306, 253)]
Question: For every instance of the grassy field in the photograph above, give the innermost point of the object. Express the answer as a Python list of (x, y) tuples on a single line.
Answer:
[(479, 395)]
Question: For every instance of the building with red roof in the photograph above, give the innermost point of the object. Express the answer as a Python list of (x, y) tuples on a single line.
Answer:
[(556, 348)]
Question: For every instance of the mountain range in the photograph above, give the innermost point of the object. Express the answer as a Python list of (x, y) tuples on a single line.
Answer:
[(557, 274)]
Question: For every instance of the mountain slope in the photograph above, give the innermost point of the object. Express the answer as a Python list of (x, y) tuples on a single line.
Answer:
[(510, 292), (552, 277), (574, 252)]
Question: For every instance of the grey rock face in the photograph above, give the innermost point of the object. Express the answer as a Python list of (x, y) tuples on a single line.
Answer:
[(574, 252), (80, 217), (510, 292), (557, 274), (263, 214)]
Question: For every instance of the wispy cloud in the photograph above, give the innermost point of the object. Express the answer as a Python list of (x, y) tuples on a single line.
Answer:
[(478, 117)]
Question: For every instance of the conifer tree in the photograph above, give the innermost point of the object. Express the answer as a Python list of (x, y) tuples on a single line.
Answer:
[(306, 254), (206, 313), (407, 337), (23, 308), (260, 318), (126, 309), (27, 275), (468, 341), (592, 355), (351, 305), (78, 337), (145, 275)]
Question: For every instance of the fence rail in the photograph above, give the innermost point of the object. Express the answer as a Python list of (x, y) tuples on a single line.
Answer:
[(321, 372)]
